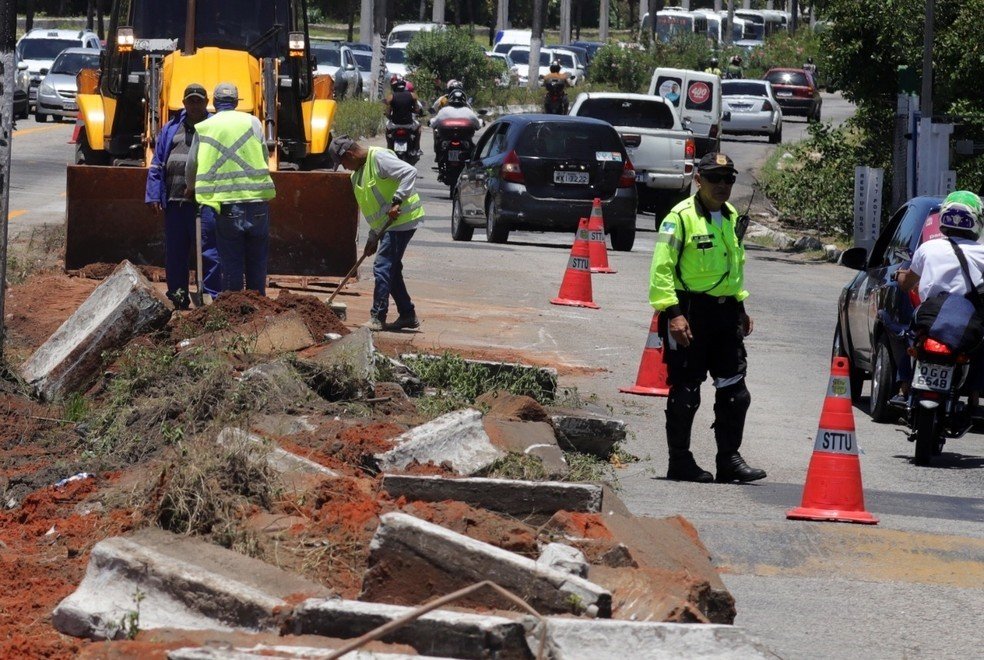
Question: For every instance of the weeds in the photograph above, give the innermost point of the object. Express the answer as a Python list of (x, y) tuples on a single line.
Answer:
[(586, 467), (453, 375), (40, 253), (129, 625), (515, 465), (358, 118)]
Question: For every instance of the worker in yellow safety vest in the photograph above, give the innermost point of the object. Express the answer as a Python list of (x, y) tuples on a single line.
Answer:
[(384, 189), (697, 285), (228, 170)]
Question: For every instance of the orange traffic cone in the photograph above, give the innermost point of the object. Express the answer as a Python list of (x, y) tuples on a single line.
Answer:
[(651, 380), (833, 481), (76, 130), (596, 240), (575, 290)]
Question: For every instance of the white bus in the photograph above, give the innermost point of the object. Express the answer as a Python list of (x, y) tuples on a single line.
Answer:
[(672, 23), (761, 24)]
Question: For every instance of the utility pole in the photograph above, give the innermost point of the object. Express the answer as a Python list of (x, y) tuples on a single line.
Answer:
[(377, 79), (502, 15), (565, 21), (731, 21), (794, 10), (533, 70), (8, 30), (365, 21), (603, 11), (926, 98), (437, 15)]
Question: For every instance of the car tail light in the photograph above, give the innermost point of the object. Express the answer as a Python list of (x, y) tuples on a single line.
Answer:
[(627, 180), (510, 170), (806, 92), (766, 106), (631, 139), (935, 347)]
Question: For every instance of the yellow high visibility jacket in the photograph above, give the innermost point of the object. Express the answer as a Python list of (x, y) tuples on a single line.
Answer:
[(231, 163), (374, 195)]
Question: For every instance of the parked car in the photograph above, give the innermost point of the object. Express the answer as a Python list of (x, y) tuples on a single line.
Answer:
[(796, 92), (396, 60), (541, 173), (568, 62), (661, 151), (402, 34), (338, 61), (22, 91), (590, 47), (697, 97), (39, 48), (357, 46), (363, 60), (753, 109), (873, 312), (58, 89)]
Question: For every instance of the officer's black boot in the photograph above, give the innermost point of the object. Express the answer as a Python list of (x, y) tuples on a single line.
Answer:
[(730, 406), (680, 410)]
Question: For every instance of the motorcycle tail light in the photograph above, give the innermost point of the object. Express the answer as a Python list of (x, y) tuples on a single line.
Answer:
[(935, 347), (401, 132), (510, 170), (456, 143), (627, 180)]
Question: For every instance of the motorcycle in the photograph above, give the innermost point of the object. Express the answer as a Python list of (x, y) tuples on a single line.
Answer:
[(401, 140), (935, 412), (555, 102), (454, 149)]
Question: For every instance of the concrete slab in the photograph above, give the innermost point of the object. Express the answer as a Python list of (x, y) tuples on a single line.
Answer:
[(353, 356), (178, 582), (442, 633), (442, 561), (532, 438), (265, 651), (588, 434), (296, 469), (457, 438), (564, 558), (526, 500), (580, 639), (124, 306)]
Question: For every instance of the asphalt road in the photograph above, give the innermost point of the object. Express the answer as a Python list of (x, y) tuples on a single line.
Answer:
[(912, 586)]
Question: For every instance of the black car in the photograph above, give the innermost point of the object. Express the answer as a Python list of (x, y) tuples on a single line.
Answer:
[(873, 313), (542, 172)]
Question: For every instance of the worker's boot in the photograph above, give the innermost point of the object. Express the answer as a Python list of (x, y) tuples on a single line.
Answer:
[(730, 406), (681, 406), (405, 321)]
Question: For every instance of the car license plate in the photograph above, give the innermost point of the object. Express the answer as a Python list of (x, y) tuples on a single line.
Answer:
[(576, 178), (640, 177), (932, 377), (741, 108), (454, 156), (400, 147), (780, 92)]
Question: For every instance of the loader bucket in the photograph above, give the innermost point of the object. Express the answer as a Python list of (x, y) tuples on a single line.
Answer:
[(313, 221)]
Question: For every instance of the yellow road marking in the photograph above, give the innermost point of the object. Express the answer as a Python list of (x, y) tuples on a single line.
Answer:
[(15, 214), (39, 129)]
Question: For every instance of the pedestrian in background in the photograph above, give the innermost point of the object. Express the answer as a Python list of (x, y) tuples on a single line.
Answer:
[(697, 285), (166, 189), (384, 189), (228, 170)]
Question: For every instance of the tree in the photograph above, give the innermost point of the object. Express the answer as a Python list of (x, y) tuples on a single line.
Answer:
[(441, 55)]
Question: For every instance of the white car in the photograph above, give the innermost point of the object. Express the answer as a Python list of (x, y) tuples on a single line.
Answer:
[(402, 34), (39, 48), (753, 109), (396, 60), (519, 57)]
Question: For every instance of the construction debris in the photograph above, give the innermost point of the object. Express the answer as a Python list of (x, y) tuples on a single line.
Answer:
[(588, 434), (280, 460), (529, 438), (458, 440)]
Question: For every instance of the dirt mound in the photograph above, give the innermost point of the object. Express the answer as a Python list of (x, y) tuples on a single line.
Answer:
[(38, 306), (504, 405), (234, 308), (478, 524), (101, 271), (348, 448)]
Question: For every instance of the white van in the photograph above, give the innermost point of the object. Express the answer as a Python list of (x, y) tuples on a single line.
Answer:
[(697, 98)]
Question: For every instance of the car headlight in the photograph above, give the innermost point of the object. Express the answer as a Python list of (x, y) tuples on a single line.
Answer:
[(47, 88)]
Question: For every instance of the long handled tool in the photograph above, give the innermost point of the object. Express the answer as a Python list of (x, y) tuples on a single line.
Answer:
[(358, 263), (200, 297)]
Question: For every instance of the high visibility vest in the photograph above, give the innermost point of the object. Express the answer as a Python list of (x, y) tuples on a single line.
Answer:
[(231, 163), (374, 195), (694, 255)]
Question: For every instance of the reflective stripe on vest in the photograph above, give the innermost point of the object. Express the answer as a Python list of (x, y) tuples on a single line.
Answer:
[(231, 163), (375, 196)]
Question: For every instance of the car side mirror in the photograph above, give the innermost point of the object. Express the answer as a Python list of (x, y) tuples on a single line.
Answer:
[(43, 72), (855, 258), (350, 67)]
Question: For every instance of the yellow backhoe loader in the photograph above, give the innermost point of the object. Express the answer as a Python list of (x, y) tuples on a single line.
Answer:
[(154, 50)]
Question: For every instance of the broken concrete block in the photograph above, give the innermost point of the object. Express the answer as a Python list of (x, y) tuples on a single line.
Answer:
[(279, 382), (533, 500), (344, 368), (532, 438), (281, 460), (178, 582), (440, 632), (564, 558), (123, 306), (582, 639), (544, 377), (458, 438), (504, 405), (652, 594), (442, 561), (265, 651), (588, 434), (281, 333)]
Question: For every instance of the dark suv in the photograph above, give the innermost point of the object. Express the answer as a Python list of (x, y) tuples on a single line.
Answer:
[(542, 172), (873, 313)]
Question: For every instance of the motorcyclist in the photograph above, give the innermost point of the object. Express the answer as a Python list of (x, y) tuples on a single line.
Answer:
[(713, 67), (402, 106), (556, 83), (442, 100), (734, 71), (936, 270), (457, 108)]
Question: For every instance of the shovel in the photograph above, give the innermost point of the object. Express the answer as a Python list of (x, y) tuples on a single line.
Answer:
[(358, 263), (200, 298)]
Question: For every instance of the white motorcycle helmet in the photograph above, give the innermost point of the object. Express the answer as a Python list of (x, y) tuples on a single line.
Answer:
[(962, 210)]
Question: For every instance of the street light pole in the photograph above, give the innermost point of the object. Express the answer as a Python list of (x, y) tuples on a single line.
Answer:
[(926, 98), (533, 69)]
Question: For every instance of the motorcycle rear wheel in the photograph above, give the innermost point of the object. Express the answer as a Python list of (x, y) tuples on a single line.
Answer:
[(927, 429)]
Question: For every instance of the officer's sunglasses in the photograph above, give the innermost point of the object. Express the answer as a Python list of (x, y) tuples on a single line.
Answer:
[(713, 177)]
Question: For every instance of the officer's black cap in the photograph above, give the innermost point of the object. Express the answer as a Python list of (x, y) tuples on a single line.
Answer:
[(716, 161)]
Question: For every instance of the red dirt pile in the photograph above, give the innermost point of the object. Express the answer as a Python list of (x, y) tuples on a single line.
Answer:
[(38, 306)]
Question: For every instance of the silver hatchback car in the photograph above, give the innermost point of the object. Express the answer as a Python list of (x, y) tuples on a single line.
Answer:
[(56, 95)]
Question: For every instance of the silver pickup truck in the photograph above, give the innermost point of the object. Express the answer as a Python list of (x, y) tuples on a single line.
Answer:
[(661, 150)]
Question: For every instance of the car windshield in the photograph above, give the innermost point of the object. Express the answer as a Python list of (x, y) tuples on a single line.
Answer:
[(628, 112), (72, 63), (580, 141), (327, 56), (522, 56), (44, 49), (566, 60), (402, 37), (363, 59), (788, 78), (396, 55), (742, 89)]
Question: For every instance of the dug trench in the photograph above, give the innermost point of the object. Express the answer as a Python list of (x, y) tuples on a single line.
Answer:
[(136, 448)]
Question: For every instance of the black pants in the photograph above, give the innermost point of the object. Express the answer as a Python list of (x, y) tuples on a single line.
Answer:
[(717, 347)]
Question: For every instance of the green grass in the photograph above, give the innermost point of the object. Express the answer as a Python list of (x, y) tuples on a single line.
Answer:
[(455, 377)]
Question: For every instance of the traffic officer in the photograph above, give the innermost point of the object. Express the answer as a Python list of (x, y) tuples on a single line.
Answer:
[(697, 285), (384, 189), (228, 170)]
